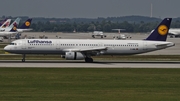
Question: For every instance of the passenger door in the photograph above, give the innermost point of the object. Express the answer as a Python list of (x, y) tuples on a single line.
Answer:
[(23, 44), (144, 45), (57, 45)]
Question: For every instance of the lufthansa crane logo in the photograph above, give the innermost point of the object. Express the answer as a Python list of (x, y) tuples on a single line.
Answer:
[(162, 30), (27, 23)]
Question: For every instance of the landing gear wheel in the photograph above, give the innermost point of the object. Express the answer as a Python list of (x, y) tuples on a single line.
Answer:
[(23, 60), (88, 60), (93, 36)]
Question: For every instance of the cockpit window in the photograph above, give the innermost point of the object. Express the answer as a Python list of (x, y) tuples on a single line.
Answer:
[(13, 44)]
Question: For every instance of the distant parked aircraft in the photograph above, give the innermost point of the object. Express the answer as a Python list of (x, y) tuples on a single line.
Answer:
[(120, 36), (26, 26), (98, 34), (8, 28), (23, 28), (10, 32), (173, 32)]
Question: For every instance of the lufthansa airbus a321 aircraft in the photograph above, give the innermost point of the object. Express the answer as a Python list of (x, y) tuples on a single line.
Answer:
[(78, 49)]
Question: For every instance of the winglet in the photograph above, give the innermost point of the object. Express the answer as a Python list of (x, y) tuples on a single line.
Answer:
[(160, 33), (26, 24)]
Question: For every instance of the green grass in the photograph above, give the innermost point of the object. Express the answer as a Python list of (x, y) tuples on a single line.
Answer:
[(68, 84), (2, 45)]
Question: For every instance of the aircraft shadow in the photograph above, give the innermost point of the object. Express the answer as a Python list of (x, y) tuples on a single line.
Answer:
[(95, 62)]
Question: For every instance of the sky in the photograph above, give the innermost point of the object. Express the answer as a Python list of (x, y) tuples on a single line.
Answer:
[(89, 8)]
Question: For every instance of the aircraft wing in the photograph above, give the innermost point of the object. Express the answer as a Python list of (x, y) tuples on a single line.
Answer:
[(86, 49)]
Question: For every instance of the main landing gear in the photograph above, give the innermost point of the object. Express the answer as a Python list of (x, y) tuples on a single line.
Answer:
[(23, 59), (88, 60)]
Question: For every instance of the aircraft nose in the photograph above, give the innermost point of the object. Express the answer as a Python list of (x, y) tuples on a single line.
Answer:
[(6, 48)]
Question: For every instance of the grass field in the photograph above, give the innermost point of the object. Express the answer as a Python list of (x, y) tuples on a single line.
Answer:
[(3, 45), (72, 84)]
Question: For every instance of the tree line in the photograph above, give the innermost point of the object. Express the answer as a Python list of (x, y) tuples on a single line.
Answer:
[(105, 26), (129, 23)]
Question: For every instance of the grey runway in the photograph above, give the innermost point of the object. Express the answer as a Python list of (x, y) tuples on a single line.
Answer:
[(82, 64)]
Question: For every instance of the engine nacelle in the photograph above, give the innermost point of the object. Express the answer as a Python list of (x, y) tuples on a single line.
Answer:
[(74, 56)]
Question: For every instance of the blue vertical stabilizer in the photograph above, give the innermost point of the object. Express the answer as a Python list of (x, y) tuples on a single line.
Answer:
[(160, 33)]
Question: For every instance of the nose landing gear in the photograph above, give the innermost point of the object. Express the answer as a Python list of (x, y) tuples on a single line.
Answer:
[(24, 56)]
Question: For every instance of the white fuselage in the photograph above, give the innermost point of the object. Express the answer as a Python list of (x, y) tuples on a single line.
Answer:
[(7, 33), (18, 30), (174, 31), (60, 46)]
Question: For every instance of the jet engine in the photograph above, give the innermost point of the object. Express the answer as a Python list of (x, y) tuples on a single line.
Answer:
[(74, 56)]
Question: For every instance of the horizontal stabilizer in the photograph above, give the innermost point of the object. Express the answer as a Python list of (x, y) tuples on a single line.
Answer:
[(165, 45)]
